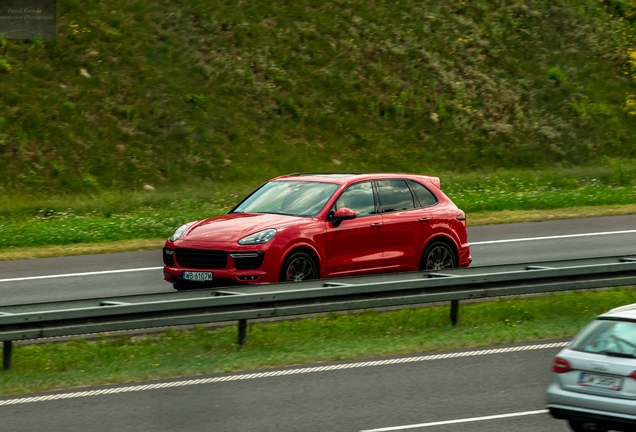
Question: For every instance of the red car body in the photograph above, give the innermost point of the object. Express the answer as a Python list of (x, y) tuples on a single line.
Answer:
[(384, 240)]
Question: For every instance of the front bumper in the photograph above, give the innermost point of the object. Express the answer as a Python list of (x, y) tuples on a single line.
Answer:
[(232, 273), (221, 277)]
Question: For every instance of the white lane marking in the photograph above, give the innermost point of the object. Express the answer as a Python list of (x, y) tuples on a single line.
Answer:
[(285, 372), (80, 274), (552, 237), (465, 420)]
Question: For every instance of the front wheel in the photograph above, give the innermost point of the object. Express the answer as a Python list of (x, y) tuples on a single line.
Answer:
[(438, 256), (299, 267)]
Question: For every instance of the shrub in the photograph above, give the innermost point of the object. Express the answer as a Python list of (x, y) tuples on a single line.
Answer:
[(89, 181), (556, 75), (4, 66), (195, 99)]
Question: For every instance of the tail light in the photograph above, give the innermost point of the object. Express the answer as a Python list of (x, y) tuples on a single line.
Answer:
[(460, 215), (560, 365), (633, 375)]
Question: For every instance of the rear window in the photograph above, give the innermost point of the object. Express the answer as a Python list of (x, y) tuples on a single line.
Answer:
[(425, 196), (607, 336)]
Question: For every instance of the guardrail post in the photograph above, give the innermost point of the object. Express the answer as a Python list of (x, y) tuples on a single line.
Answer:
[(242, 331), (7, 351), (454, 312)]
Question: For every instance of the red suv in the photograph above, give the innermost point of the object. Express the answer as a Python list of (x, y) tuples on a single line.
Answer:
[(310, 226)]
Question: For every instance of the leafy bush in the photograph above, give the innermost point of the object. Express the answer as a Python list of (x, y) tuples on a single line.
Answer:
[(195, 99), (4, 66), (556, 75)]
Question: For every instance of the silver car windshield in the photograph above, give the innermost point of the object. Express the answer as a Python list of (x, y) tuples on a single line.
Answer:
[(293, 198), (610, 337)]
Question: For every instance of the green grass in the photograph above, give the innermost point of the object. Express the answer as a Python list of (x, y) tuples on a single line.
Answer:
[(613, 182), (174, 92), (323, 338), (106, 217)]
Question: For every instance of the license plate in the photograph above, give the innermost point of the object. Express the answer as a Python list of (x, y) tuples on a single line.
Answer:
[(602, 381), (197, 276)]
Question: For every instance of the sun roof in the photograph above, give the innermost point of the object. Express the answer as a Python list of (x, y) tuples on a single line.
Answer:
[(332, 175)]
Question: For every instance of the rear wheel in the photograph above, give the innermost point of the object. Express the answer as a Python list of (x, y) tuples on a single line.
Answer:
[(579, 426), (299, 267), (437, 256)]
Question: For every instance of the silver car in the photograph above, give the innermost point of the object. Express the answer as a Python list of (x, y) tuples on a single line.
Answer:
[(594, 378)]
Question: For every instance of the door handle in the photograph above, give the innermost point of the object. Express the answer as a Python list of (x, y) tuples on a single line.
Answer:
[(424, 220), (376, 225)]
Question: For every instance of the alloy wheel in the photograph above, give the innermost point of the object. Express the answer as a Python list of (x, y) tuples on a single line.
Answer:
[(440, 257), (299, 269)]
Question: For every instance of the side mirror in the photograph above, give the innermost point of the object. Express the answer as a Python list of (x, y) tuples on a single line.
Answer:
[(342, 214)]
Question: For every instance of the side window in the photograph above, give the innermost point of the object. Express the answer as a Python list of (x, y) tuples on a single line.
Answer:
[(424, 195), (359, 198), (395, 195)]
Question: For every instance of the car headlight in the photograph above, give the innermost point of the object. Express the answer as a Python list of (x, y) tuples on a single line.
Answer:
[(259, 237), (177, 233)]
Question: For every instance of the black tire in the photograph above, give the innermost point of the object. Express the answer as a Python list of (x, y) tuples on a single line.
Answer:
[(298, 267), (579, 426), (438, 256)]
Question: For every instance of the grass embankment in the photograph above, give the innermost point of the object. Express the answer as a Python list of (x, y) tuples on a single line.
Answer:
[(172, 94), (109, 222), (324, 338), (164, 92)]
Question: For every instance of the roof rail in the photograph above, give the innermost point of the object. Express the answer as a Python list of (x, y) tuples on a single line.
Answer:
[(325, 173)]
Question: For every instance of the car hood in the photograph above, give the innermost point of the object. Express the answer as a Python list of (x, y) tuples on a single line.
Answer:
[(235, 226)]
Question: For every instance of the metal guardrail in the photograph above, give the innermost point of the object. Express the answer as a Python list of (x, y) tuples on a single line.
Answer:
[(66, 318)]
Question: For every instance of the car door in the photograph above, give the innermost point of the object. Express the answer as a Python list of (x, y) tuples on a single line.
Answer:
[(355, 246), (405, 226)]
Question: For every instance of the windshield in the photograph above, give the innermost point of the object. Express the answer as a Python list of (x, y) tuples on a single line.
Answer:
[(293, 198), (607, 337)]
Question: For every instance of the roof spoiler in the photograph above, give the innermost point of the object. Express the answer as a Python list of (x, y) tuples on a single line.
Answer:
[(436, 182)]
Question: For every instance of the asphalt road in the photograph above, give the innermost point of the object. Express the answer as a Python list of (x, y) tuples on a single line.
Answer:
[(491, 245), (349, 398)]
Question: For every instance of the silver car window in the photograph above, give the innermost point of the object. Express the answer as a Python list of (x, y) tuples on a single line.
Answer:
[(607, 336)]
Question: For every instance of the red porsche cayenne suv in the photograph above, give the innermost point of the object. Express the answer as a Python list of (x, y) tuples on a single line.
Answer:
[(312, 226)]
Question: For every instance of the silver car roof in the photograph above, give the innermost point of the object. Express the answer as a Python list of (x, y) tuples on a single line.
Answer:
[(627, 311)]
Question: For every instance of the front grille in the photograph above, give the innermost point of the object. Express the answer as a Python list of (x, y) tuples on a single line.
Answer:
[(248, 263), (204, 259), (168, 257)]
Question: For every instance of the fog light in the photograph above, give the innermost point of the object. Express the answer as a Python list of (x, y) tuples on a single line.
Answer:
[(244, 255), (247, 278)]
